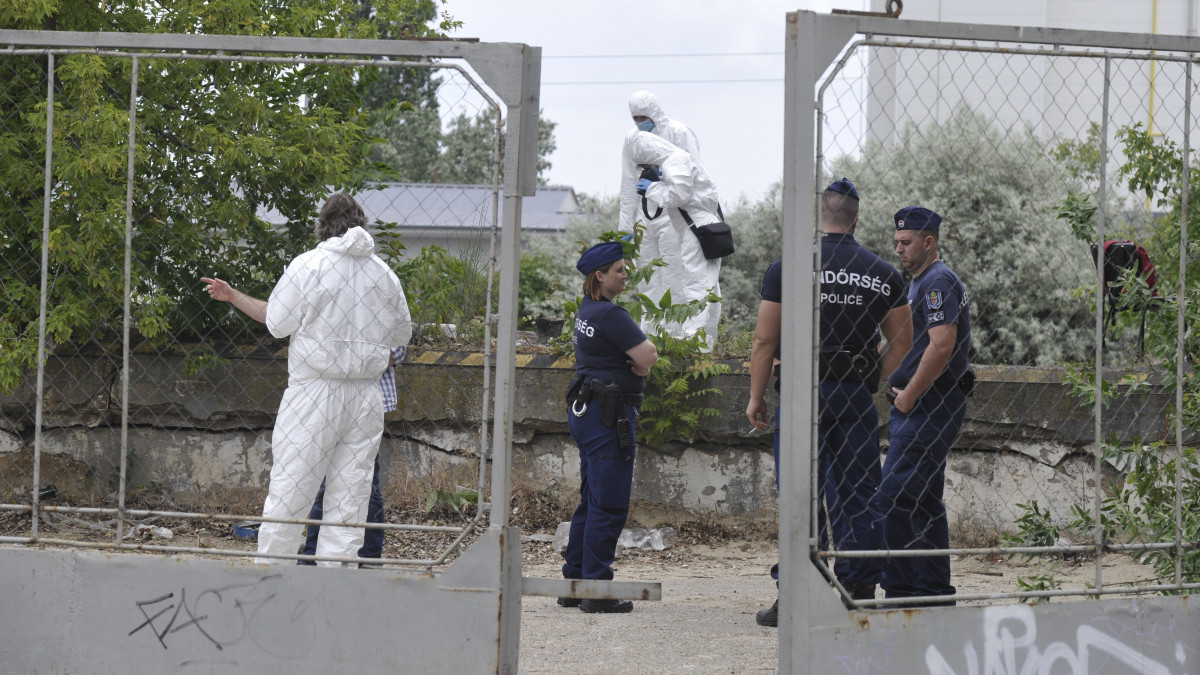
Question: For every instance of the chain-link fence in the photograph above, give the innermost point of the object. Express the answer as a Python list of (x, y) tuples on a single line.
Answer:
[(181, 316), (1044, 164)]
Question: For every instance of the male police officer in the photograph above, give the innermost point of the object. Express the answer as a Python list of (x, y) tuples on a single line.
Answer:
[(860, 295), (930, 388)]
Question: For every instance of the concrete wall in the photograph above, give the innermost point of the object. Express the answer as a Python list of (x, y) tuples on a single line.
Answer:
[(204, 440)]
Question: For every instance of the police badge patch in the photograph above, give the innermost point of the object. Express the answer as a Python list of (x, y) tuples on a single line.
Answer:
[(934, 298)]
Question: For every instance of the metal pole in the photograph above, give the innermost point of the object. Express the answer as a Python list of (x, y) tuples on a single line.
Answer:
[(484, 453), (1098, 405), (125, 317), (795, 410), (1180, 313), (42, 293)]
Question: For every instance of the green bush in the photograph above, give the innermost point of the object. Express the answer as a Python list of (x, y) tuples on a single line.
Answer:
[(1157, 476)]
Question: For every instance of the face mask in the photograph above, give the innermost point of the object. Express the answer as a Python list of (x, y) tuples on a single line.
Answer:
[(645, 125)]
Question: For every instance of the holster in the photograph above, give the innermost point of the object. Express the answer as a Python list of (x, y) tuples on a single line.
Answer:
[(577, 393), (609, 396), (613, 406)]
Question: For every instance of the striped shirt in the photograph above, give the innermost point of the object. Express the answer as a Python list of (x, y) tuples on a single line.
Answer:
[(387, 381)]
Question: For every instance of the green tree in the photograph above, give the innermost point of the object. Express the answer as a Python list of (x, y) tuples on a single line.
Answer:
[(407, 121), (555, 257), (1155, 475), (759, 241), (469, 144), (216, 142), (997, 191)]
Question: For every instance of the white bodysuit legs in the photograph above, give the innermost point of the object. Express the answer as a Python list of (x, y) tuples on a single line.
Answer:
[(344, 309), (326, 429)]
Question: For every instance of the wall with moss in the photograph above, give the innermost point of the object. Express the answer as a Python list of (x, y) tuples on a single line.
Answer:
[(204, 439)]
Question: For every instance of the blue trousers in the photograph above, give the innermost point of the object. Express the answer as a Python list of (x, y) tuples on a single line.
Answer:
[(605, 484), (372, 539), (910, 496), (848, 477)]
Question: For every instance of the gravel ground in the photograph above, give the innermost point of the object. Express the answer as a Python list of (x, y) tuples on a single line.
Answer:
[(705, 620), (703, 624)]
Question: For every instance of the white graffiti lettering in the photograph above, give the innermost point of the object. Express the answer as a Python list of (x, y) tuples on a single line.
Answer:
[(1010, 648)]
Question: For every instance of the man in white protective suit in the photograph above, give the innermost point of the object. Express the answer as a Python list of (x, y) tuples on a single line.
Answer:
[(659, 240), (343, 308), (681, 185)]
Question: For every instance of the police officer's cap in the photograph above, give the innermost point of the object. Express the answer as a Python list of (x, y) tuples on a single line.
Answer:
[(843, 186), (598, 256), (917, 218)]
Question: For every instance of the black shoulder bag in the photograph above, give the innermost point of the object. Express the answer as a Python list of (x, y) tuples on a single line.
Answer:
[(716, 239)]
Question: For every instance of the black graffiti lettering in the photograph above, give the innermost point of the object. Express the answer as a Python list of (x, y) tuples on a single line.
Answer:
[(141, 605), (223, 615)]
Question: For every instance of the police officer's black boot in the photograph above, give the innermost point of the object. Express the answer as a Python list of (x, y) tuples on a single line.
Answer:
[(860, 592), (606, 606), (768, 617), (569, 602)]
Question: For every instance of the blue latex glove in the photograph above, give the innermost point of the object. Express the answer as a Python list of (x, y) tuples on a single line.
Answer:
[(657, 172), (628, 239), (642, 185)]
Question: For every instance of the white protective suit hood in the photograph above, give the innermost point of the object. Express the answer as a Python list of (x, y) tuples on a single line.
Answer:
[(645, 104), (343, 308), (684, 184), (356, 242), (646, 148)]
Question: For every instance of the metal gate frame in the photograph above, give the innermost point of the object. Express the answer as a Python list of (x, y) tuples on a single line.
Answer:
[(68, 601), (1149, 634)]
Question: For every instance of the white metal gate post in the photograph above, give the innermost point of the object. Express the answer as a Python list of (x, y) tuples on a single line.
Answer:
[(812, 43), (520, 179)]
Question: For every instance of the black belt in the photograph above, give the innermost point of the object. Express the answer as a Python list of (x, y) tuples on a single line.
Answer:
[(845, 366), (581, 391), (622, 397), (945, 385)]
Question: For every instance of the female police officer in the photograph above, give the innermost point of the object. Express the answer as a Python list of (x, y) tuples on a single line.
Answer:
[(612, 358)]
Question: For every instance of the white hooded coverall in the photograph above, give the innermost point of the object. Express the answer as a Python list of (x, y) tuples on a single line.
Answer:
[(659, 240), (684, 185), (344, 309)]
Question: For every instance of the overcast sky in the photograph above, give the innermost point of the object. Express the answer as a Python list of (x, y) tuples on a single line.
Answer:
[(716, 66)]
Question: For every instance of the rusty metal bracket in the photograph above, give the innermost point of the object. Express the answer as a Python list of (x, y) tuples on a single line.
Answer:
[(894, 7)]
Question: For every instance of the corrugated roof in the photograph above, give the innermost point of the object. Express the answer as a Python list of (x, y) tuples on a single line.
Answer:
[(454, 207)]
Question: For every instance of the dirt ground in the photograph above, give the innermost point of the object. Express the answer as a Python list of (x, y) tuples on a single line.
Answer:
[(705, 620)]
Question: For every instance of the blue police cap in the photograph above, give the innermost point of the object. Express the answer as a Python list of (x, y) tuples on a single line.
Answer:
[(843, 186), (917, 218), (598, 256)]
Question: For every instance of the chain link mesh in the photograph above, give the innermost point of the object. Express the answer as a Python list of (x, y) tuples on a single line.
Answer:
[(1012, 145), (232, 158)]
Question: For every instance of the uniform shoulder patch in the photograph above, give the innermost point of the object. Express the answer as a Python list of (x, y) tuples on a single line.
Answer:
[(934, 298)]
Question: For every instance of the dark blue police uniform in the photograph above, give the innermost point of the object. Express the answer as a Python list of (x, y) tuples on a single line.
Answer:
[(858, 289), (910, 497), (604, 331)]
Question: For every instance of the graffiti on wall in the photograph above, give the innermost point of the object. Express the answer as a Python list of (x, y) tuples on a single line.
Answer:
[(1010, 647), (255, 612)]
